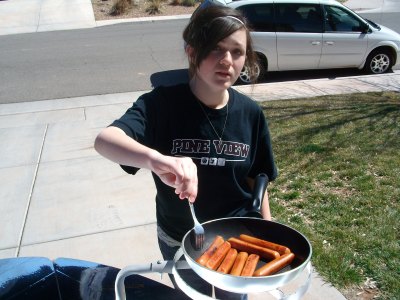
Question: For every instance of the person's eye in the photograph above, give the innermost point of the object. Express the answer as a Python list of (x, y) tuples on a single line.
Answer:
[(239, 52)]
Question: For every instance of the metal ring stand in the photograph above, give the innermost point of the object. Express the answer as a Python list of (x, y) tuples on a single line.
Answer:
[(172, 266)]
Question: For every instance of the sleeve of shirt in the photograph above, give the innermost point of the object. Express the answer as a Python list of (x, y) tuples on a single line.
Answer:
[(136, 123), (264, 158)]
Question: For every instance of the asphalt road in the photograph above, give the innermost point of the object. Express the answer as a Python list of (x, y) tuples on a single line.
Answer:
[(112, 59), (102, 60)]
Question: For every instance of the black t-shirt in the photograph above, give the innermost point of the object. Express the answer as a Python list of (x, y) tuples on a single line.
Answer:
[(171, 120)]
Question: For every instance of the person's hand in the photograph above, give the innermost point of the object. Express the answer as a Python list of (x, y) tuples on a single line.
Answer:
[(179, 173)]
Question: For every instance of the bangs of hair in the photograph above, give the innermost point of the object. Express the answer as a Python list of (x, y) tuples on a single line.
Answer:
[(214, 32)]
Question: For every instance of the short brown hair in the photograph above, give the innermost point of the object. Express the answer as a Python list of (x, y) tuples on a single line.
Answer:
[(208, 26)]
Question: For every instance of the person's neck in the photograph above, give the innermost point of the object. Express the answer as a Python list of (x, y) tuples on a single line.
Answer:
[(212, 98)]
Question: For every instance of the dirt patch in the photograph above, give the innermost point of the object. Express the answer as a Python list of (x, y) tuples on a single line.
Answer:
[(366, 291), (102, 8), (361, 294)]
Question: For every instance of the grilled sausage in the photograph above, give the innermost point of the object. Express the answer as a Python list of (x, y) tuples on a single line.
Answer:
[(266, 244), (251, 265), (274, 265), (219, 255), (240, 261), (253, 249), (218, 241), (228, 261)]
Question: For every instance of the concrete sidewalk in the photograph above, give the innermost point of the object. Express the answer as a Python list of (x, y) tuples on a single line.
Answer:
[(27, 16), (59, 198)]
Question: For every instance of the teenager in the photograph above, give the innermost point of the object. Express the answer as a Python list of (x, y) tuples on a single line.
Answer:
[(203, 141)]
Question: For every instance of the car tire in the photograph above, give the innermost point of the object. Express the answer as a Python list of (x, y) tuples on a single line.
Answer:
[(244, 77), (378, 62)]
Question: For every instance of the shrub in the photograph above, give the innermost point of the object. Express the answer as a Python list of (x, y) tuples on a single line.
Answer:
[(188, 2), (154, 7), (120, 6)]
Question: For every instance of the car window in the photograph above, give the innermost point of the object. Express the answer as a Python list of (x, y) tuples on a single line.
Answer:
[(298, 17), (260, 16), (338, 19)]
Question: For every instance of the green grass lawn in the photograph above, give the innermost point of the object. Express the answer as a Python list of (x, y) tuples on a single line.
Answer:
[(339, 184)]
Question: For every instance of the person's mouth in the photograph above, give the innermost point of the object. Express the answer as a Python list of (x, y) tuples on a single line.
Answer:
[(224, 73)]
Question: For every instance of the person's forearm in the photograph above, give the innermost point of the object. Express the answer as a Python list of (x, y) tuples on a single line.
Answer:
[(115, 145), (265, 210), (177, 172)]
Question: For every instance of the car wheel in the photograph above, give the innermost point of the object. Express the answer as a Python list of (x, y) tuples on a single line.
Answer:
[(245, 78), (378, 62)]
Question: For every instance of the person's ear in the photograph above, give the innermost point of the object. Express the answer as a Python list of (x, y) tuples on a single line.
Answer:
[(189, 51)]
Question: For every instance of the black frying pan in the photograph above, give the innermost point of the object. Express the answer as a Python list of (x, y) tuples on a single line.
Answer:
[(271, 231), (244, 220)]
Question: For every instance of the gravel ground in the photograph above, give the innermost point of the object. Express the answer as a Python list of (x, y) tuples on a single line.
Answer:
[(101, 9)]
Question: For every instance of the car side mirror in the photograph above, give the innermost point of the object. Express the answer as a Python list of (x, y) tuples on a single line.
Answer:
[(364, 28)]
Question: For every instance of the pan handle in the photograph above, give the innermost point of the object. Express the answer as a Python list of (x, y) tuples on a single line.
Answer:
[(260, 185), (252, 209)]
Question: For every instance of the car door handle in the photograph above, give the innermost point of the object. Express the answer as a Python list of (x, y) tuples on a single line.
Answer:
[(329, 43), (315, 43)]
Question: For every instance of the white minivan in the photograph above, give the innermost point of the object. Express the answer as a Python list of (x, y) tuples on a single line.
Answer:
[(314, 34)]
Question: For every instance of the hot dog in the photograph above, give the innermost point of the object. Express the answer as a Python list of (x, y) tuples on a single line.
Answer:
[(274, 265), (240, 261), (253, 249), (251, 265), (218, 241), (219, 255), (266, 244), (228, 261)]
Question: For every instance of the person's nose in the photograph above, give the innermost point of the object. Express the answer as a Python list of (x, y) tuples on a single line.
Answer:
[(226, 60)]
